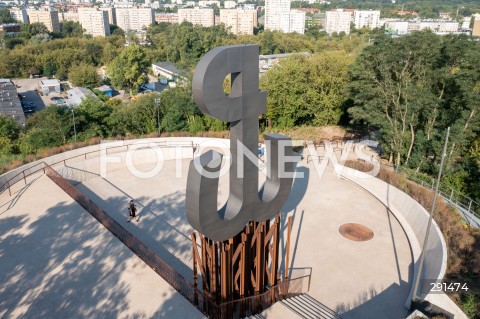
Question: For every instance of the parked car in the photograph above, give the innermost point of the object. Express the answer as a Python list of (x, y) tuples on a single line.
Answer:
[(28, 107)]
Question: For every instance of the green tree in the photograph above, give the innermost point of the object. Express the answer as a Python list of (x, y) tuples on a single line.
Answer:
[(71, 29), (307, 90), (134, 118), (180, 112), (49, 127), (91, 118), (6, 146), (116, 30), (5, 16), (129, 70), (84, 75), (40, 38), (394, 87), (9, 128), (28, 30), (50, 68)]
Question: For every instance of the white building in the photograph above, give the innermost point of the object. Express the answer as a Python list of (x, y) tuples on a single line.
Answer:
[(166, 17), (94, 21), (292, 21), (48, 17), (68, 16), (199, 16), (338, 21), (399, 27), (440, 26), (230, 4), (466, 22), (77, 95), (19, 14), (208, 3), (134, 19), (239, 21), (124, 5), (366, 19), (273, 9)]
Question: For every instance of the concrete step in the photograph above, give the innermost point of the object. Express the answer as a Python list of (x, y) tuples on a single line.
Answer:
[(309, 308), (75, 175)]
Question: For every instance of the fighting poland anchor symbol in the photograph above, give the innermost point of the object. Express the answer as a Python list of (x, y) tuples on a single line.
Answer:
[(241, 108)]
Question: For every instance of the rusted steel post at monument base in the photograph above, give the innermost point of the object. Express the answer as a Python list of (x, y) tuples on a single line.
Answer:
[(244, 266)]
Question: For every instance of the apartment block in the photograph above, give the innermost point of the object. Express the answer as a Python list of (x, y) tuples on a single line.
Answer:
[(111, 14), (292, 21), (440, 26), (48, 17), (338, 21), (166, 17), (94, 21), (200, 16), (476, 28), (135, 19), (68, 16), (19, 14), (366, 19), (239, 21), (273, 9)]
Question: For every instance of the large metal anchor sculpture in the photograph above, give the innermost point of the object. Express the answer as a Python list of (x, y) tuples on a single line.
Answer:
[(241, 108)]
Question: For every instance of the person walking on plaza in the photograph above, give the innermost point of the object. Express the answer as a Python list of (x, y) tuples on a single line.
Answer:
[(132, 209)]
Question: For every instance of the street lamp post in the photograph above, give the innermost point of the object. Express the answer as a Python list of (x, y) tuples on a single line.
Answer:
[(73, 120), (157, 102), (415, 294)]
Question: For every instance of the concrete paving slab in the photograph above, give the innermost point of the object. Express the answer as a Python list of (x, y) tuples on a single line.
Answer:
[(58, 262)]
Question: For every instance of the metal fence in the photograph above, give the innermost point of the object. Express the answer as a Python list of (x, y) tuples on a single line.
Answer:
[(451, 195)]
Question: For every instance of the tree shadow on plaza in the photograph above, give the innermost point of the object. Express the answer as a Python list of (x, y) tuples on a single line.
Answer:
[(66, 265), (55, 266), (162, 226)]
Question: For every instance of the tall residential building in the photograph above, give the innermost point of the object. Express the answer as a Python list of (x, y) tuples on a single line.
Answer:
[(111, 14), (19, 14), (201, 16), (338, 21), (476, 28), (292, 21), (240, 21), (273, 9), (94, 21), (166, 17), (366, 19), (68, 16), (135, 19), (48, 17)]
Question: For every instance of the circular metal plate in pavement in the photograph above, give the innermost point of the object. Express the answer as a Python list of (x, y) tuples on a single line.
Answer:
[(356, 232)]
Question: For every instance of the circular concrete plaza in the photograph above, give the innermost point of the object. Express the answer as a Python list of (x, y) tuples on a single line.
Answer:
[(57, 261)]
